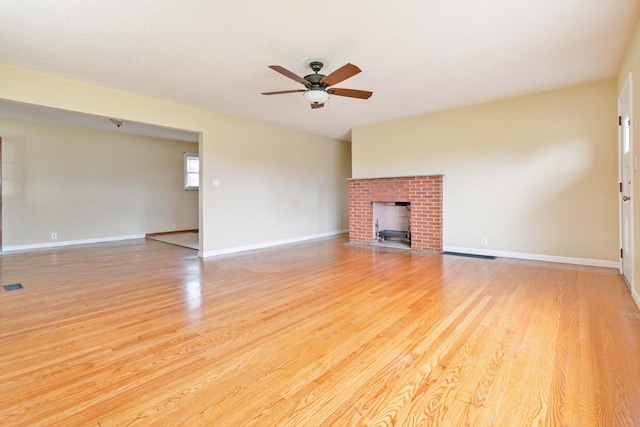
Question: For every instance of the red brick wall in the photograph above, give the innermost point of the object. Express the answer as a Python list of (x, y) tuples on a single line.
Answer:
[(423, 192)]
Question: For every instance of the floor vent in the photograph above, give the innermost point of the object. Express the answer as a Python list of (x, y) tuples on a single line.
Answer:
[(469, 255), (13, 287)]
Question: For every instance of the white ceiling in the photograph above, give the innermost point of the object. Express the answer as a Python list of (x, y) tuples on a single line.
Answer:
[(417, 56)]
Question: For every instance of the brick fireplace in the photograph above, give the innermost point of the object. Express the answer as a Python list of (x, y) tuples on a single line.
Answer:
[(423, 193)]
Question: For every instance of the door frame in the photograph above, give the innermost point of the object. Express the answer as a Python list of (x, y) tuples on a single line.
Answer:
[(0, 195), (628, 89)]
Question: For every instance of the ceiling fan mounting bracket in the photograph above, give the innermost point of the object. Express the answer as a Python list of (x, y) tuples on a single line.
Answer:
[(316, 66), (324, 63)]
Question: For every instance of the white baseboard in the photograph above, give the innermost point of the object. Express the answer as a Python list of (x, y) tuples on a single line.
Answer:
[(536, 257), (636, 297), (69, 243), (269, 244)]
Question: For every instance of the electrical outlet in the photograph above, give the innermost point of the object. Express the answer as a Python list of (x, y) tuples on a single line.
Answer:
[(54, 236), (485, 241), (173, 226)]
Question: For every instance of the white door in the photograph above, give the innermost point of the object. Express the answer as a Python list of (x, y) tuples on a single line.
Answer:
[(627, 164)]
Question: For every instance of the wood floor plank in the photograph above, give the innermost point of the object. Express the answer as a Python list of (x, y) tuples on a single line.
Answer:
[(321, 333)]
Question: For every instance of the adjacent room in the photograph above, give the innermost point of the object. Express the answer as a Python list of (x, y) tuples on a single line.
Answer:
[(419, 213)]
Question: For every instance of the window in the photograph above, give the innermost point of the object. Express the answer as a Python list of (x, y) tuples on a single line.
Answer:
[(626, 124), (191, 171)]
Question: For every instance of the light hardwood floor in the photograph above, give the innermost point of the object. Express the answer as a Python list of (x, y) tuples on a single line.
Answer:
[(316, 334), (188, 239)]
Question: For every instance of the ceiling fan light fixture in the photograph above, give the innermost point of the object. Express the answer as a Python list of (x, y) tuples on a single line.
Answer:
[(316, 96)]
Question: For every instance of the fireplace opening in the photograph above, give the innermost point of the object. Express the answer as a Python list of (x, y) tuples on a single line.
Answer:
[(392, 224)]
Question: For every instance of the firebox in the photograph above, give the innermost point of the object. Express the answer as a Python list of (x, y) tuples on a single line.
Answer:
[(392, 223)]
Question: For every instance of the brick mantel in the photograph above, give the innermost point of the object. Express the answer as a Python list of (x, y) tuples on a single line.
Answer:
[(424, 192)]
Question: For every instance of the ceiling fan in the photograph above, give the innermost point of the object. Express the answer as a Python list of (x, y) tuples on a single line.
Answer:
[(316, 85)]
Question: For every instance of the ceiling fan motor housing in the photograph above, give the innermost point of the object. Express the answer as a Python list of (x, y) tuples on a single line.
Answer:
[(314, 79)]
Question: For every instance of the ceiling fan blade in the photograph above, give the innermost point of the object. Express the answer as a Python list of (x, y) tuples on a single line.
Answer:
[(342, 73), (351, 93), (283, 91), (289, 74), (314, 106)]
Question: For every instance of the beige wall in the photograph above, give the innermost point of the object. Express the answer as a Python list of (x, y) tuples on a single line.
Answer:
[(84, 184), (276, 184), (535, 174), (631, 64)]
